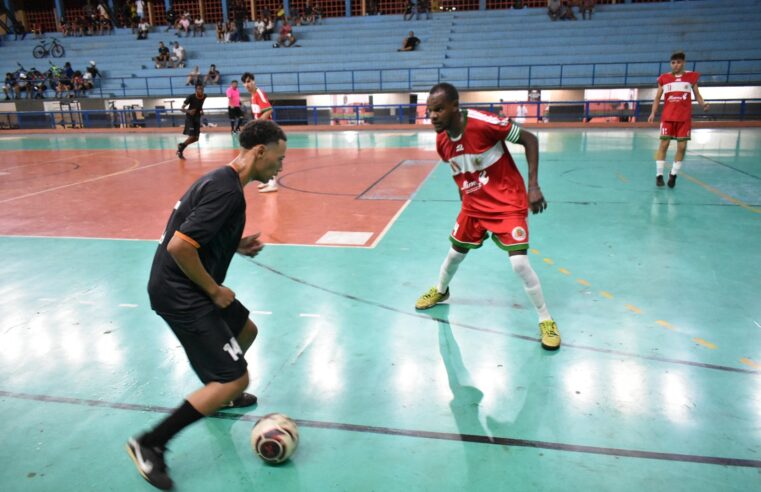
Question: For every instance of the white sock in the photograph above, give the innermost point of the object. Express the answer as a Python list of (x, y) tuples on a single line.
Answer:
[(531, 285), (659, 165), (676, 167), (448, 269)]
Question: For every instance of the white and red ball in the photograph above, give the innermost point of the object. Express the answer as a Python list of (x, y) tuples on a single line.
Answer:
[(274, 438)]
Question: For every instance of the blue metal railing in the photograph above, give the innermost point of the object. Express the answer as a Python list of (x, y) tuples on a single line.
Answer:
[(566, 111), (607, 74)]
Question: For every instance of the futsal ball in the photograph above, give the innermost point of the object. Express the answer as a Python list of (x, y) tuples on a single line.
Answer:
[(274, 438)]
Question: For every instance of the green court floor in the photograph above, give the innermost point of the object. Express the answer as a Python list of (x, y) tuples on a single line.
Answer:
[(657, 293)]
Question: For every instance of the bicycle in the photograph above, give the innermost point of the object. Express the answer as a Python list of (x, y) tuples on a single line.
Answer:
[(49, 47)]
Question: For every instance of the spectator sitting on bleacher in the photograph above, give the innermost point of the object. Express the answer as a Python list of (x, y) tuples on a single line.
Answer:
[(567, 13), (178, 56), (10, 87), (142, 29), (212, 77), (93, 71), (307, 15), (171, 17), (286, 39), (409, 10), (259, 27), (587, 7), (194, 77), (554, 9), (78, 84), (423, 6), (231, 36), (163, 59), (221, 32), (198, 27), (316, 13), (269, 28), (183, 25), (409, 43)]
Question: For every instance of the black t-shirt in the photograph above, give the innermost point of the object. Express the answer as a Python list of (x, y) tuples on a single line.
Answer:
[(213, 214), (412, 42), (194, 102)]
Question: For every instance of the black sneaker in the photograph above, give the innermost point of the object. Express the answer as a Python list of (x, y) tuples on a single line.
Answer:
[(180, 156), (659, 180), (672, 180), (244, 400), (150, 464)]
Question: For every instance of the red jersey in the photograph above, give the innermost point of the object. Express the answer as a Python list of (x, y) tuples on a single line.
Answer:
[(677, 92), (490, 184), (259, 103)]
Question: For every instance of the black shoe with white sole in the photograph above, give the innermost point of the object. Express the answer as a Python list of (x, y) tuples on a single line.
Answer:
[(150, 463)]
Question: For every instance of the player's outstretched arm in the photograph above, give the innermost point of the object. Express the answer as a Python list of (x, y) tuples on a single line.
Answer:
[(536, 200)]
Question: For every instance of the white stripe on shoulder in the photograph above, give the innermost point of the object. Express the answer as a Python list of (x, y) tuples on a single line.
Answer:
[(478, 115)]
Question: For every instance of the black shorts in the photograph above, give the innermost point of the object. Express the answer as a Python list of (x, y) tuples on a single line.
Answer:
[(234, 112), (210, 342), (192, 126)]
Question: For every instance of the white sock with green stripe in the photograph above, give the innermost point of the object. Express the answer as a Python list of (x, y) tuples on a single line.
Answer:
[(522, 266), (448, 269), (659, 165)]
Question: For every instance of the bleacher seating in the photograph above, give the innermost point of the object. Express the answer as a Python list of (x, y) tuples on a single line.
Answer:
[(345, 54)]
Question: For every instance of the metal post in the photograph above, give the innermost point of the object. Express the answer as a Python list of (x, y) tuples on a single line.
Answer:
[(224, 11), (59, 9), (347, 8)]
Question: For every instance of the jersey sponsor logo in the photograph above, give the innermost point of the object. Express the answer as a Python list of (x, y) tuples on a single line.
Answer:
[(475, 185), (474, 163), (519, 233), (459, 148)]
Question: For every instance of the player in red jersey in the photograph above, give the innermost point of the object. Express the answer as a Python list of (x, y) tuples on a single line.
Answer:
[(676, 120), (493, 195), (261, 109)]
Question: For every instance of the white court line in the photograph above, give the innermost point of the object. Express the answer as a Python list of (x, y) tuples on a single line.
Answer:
[(128, 305), (261, 312), (390, 223), (309, 315), (98, 178), (89, 303), (47, 299)]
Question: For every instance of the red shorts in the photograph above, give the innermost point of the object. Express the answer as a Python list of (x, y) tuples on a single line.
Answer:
[(679, 130), (509, 233)]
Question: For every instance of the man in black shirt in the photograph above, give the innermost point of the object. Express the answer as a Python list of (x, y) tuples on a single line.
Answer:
[(193, 113), (409, 43), (186, 289)]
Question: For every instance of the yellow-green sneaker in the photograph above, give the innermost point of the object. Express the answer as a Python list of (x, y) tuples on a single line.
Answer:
[(550, 335), (431, 298)]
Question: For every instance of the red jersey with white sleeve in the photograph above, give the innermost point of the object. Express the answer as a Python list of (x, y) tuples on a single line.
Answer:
[(259, 103), (490, 184), (677, 95)]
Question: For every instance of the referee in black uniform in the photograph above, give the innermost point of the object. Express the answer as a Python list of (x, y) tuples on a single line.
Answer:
[(193, 113), (204, 231)]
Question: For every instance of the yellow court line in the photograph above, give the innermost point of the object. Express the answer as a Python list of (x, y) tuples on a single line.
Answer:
[(606, 294), (583, 282), (723, 195), (748, 362), (704, 343), (535, 251), (549, 261), (633, 308), (564, 271), (665, 324)]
